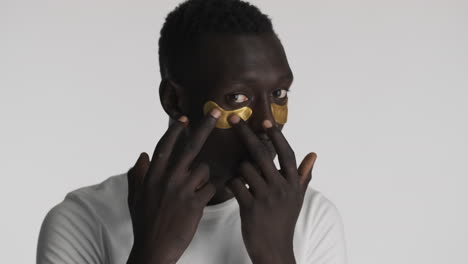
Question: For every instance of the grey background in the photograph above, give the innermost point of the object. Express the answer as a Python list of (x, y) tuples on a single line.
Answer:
[(380, 94)]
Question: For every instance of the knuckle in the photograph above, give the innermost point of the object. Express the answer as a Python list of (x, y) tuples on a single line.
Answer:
[(160, 155), (290, 155), (182, 196), (199, 199), (209, 122), (189, 146), (245, 166), (212, 188), (280, 192), (171, 185), (203, 168), (261, 196), (176, 127), (270, 201), (194, 202), (260, 152)]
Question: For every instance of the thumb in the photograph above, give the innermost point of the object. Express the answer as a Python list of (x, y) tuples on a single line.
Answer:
[(136, 176), (305, 170), (140, 168)]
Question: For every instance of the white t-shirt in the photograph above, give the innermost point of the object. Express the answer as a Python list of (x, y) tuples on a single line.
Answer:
[(93, 225)]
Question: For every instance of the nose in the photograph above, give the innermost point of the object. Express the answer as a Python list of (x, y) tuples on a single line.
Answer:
[(261, 110)]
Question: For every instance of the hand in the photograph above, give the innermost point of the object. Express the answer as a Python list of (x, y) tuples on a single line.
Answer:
[(166, 196), (269, 208)]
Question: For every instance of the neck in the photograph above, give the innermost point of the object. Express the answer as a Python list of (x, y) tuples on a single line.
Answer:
[(220, 196), (223, 193)]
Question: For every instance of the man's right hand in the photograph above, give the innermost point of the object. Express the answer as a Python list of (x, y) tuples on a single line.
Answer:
[(166, 196)]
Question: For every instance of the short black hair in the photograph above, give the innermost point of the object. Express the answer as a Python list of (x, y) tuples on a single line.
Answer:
[(192, 19)]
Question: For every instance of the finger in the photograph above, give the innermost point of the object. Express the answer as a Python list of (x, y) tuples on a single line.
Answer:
[(141, 168), (163, 150), (258, 151), (257, 184), (286, 156), (305, 170), (198, 177), (196, 141), (240, 191), (206, 192), (135, 177), (136, 174)]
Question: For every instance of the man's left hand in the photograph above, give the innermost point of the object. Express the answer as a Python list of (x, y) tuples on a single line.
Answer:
[(269, 208)]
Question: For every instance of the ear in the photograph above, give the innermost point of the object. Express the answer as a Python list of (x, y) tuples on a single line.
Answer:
[(173, 98)]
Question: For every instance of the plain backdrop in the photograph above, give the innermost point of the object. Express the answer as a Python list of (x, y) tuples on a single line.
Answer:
[(380, 94)]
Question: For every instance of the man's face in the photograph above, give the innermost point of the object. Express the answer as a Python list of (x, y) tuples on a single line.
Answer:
[(236, 71)]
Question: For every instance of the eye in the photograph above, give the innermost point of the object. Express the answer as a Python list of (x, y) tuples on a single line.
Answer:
[(280, 93), (238, 98)]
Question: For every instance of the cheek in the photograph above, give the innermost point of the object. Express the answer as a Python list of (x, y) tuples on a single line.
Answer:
[(224, 139), (223, 123), (223, 146), (280, 113)]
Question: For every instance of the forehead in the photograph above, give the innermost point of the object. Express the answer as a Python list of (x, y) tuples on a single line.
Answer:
[(237, 58)]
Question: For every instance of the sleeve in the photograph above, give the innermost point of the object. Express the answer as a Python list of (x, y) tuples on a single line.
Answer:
[(70, 234), (327, 237)]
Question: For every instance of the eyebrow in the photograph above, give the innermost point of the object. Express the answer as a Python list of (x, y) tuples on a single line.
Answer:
[(249, 79)]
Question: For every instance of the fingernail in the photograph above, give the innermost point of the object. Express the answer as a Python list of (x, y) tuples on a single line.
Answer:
[(183, 119), (234, 119), (215, 112), (267, 123)]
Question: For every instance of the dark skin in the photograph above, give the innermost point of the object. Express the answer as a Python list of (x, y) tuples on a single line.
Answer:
[(190, 170)]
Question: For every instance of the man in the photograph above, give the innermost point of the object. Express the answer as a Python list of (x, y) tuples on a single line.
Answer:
[(211, 192)]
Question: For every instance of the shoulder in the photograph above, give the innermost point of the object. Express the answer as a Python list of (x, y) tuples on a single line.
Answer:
[(72, 230), (318, 208), (99, 202), (321, 225), (102, 197)]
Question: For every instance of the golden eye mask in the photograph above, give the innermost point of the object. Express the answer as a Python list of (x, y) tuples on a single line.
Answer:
[(244, 113), (280, 113)]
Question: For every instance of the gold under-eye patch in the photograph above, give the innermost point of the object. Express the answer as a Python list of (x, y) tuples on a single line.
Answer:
[(244, 113), (280, 113)]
